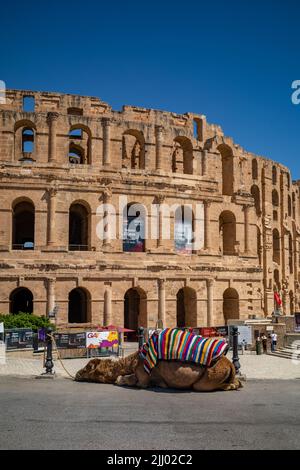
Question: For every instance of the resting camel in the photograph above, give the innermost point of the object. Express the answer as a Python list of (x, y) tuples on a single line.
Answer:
[(130, 371)]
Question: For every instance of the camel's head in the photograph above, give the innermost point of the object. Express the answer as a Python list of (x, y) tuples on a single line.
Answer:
[(96, 370)]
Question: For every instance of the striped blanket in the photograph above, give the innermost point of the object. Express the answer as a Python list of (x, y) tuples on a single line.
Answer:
[(180, 345)]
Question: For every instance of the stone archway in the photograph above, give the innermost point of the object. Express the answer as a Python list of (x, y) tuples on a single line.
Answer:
[(186, 307), (231, 307), (79, 306), (135, 308), (21, 300)]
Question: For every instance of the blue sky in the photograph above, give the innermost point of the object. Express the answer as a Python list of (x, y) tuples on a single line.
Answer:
[(232, 60)]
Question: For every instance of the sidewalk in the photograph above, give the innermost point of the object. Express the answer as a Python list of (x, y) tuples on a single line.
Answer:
[(253, 366)]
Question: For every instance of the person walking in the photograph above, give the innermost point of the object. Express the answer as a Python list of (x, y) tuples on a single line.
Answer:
[(273, 341), (264, 342)]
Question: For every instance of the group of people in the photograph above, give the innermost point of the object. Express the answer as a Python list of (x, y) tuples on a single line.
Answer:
[(264, 339)]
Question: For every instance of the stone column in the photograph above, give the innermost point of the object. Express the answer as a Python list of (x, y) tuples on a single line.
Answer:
[(159, 146), (159, 200), (106, 197), (210, 301), (107, 305), (207, 240), (52, 192), (52, 122), (106, 141), (50, 295), (246, 210), (162, 302)]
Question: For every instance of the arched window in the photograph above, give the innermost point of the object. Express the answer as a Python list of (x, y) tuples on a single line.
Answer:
[(79, 306), (80, 145), (78, 227), (254, 169), (289, 206), (198, 129), (276, 246), (256, 196), (275, 202), (231, 308), (227, 169), (27, 140), (186, 307), (184, 229), (135, 310), (274, 174), (227, 228), (23, 221), (21, 300), (134, 227), (133, 149), (182, 156)]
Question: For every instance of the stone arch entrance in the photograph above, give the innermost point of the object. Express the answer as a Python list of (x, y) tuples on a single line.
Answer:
[(23, 226), (135, 308), (231, 307), (186, 307), (79, 306), (21, 300)]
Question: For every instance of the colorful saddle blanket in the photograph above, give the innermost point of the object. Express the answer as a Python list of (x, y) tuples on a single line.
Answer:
[(180, 345)]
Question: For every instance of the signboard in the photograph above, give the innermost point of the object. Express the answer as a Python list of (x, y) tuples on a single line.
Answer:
[(214, 331), (245, 334), (134, 234), (101, 339), (297, 322), (70, 340), (18, 338)]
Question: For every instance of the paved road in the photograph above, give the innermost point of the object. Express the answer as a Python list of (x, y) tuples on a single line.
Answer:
[(61, 414)]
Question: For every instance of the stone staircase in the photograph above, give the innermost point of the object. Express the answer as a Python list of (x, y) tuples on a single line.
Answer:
[(287, 352)]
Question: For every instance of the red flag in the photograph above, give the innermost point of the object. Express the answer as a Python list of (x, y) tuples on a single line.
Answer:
[(277, 299)]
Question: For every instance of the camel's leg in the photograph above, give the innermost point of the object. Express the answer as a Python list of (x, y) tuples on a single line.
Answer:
[(143, 379), (221, 376), (129, 380)]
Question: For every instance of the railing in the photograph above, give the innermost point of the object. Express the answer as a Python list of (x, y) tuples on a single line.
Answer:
[(22, 246), (78, 247)]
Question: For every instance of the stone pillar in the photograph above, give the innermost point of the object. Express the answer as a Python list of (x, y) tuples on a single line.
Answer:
[(50, 295), (246, 210), (106, 141), (204, 162), (52, 122), (107, 319), (162, 302), (210, 301), (106, 197), (159, 200), (207, 241), (51, 240), (159, 146)]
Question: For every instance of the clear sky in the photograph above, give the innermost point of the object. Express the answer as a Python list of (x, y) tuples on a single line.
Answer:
[(232, 60)]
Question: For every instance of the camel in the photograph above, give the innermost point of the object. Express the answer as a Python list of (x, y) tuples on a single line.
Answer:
[(166, 374)]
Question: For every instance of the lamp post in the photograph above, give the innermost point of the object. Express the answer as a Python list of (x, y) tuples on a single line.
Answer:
[(235, 354), (141, 336), (49, 359)]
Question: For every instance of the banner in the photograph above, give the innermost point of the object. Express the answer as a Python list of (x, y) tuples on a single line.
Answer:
[(101, 339), (18, 338), (70, 340), (245, 334)]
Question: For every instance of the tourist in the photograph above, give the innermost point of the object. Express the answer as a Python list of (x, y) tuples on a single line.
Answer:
[(273, 341), (264, 342)]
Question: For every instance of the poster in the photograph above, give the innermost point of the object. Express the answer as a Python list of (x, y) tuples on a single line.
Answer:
[(134, 234), (70, 340), (245, 334), (101, 339), (18, 338)]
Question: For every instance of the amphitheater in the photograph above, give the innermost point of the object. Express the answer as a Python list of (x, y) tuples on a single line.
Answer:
[(63, 155)]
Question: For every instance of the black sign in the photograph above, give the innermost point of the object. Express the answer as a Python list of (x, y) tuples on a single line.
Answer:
[(18, 338), (70, 340)]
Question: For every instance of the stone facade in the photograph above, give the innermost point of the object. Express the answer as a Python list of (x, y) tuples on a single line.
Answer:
[(70, 153)]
